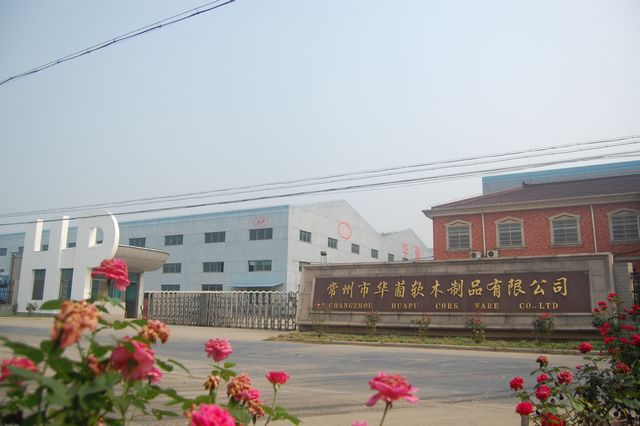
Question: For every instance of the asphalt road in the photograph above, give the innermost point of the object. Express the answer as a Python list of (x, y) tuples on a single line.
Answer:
[(333, 378)]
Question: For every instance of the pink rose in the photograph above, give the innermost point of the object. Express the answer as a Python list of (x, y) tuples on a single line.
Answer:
[(543, 392), (391, 388), (115, 270), (585, 347), (524, 408), (211, 415), (517, 384), (154, 375), (277, 377), (133, 365), (218, 349), (564, 377), (360, 423), (20, 362), (542, 378)]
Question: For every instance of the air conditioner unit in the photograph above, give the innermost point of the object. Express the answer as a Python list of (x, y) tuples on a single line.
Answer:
[(492, 253), (475, 255)]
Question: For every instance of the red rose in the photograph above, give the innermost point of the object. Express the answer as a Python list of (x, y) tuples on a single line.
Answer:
[(585, 347), (277, 377), (517, 384), (564, 377), (609, 340), (635, 340), (543, 392), (391, 388), (611, 296), (542, 360), (524, 408), (543, 378)]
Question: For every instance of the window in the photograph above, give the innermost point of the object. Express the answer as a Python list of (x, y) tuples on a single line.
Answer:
[(374, 253), (3, 251), (305, 236), (624, 226), (261, 234), (66, 277), (509, 233), (38, 284), (71, 245), (172, 268), (44, 247), (355, 248), (332, 243), (139, 242), (301, 265), (20, 250), (211, 287), (214, 237), (391, 257), (259, 265), (459, 236), (173, 240), (565, 230), (213, 267), (170, 287)]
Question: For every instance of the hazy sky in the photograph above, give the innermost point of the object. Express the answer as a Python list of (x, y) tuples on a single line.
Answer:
[(266, 90)]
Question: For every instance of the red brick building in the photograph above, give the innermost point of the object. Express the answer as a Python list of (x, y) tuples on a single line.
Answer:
[(596, 215)]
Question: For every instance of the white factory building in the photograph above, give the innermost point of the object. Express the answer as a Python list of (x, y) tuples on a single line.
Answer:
[(253, 249)]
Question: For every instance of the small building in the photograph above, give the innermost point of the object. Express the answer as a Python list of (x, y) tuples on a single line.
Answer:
[(582, 216)]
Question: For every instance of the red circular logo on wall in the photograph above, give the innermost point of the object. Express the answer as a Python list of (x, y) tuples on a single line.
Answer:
[(344, 229), (260, 221)]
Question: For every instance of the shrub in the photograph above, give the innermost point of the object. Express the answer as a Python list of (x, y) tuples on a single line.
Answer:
[(605, 389), (543, 325), (477, 327), (422, 327), (371, 320), (31, 307)]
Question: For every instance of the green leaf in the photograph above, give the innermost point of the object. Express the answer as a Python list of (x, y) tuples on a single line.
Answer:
[(99, 350), (140, 322), (173, 361), (159, 414), (61, 365), (34, 354), (203, 399), (115, 302), (120, 325), (241, 414), (51, 304), (46, 345), (229, 364), (164, 365)]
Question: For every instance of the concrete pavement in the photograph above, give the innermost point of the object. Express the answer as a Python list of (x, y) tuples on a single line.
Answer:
[(318, 396)]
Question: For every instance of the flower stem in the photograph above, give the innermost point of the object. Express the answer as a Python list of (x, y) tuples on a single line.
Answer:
[(386, 408), (273, 403)]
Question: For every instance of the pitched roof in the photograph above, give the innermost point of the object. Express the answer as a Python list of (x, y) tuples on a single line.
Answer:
[(601, 186)]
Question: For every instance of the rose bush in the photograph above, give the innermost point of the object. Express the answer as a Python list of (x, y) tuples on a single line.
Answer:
[(605, 389)]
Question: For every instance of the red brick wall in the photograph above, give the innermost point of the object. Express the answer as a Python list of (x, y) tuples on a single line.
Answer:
[(537, 232)]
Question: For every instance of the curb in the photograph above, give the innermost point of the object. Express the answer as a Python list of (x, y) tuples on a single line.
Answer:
[(435, 346)]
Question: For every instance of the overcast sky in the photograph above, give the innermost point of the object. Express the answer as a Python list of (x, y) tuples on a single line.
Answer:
[(260, 91)]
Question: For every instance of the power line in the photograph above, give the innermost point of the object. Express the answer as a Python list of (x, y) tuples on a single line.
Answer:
[(387, 184), (127, 36), (359, 175)]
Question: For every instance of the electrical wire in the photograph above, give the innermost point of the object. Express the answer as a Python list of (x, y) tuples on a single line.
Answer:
[(127, 36), (396, 183), (359, 175)]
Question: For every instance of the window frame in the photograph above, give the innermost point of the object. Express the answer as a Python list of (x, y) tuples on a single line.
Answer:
[(37, 292), (216, 266), (620, 212), (255, 234), (134, 240), (163, 287), (175, 265), (218, 287), (260, 265), (332, 243), (214, 237), (509, 221), (3, 251), (374, 254), (391, 257), (169, 240), (355, 248), (305, 236), (459, 223), (564, 216)]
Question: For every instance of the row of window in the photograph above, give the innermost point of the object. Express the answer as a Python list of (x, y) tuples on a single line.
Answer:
[(253, 265), (624, 226), (204, 287)]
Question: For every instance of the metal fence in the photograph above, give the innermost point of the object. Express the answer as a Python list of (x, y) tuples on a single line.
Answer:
[(237, 309)]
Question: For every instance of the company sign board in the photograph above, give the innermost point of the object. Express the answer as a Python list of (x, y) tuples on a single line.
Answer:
[(527, 292)]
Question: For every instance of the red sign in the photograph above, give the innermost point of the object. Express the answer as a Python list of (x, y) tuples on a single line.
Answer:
[(260, 221), (344, 229)]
